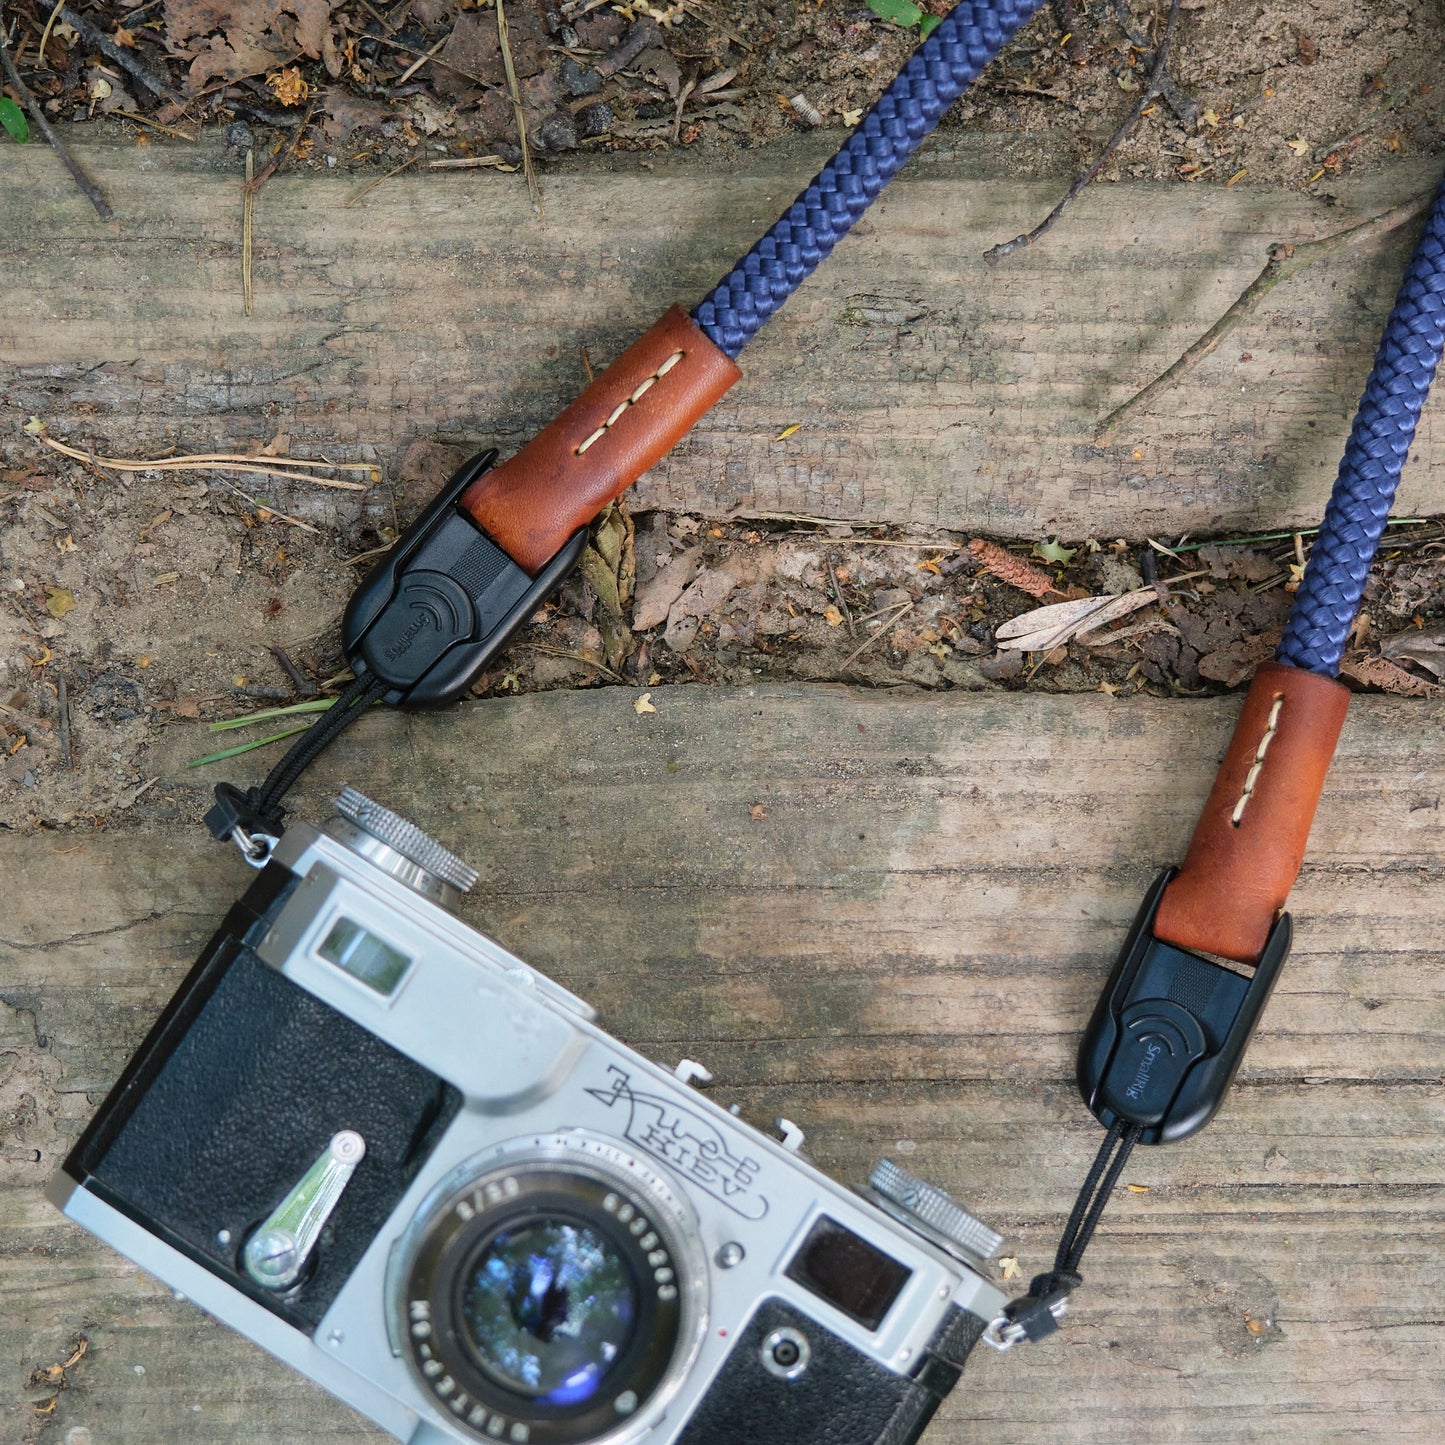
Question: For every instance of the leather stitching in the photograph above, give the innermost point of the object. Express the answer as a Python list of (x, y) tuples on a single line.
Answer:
[(621, 409), (1257, 766)]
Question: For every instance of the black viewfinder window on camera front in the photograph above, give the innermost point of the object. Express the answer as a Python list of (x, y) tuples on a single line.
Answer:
[(848, 1272)]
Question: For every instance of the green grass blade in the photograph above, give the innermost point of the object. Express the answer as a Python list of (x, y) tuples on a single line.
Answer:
[(244, 748), (319, 704)]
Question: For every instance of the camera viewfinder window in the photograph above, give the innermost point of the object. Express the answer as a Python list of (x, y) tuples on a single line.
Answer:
[(848, 1272), (355, 951)]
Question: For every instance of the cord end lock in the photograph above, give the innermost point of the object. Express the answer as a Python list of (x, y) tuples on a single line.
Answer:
[(444, 601), (1170, 1030)]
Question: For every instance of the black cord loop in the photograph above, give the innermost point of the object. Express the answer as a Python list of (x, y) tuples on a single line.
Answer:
[(258, 810), (1036, 1314)]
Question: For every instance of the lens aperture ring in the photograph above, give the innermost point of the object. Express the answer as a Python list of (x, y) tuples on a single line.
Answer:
[(545, 1300)]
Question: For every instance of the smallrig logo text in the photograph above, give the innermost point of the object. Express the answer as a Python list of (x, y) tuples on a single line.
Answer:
[(1137, 1089), (408, 636)]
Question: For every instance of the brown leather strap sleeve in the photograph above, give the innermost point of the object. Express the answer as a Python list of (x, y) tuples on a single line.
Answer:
[(632, 415), (1250, 841)]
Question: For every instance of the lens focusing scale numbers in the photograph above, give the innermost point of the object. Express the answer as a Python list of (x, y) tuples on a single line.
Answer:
[(276, 1254), (1169, 1033)]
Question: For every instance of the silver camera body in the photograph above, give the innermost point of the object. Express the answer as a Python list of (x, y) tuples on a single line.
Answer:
[(588, 1249)]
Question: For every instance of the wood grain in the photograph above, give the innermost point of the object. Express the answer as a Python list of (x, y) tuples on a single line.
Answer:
[(899, 954), (930, 389)]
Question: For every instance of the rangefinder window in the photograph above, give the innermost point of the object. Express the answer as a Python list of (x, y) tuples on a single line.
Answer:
[(848, 1272), (364, 956)]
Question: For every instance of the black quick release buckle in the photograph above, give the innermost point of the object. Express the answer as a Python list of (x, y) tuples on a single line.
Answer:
[(1168, 1035), (444, 601)]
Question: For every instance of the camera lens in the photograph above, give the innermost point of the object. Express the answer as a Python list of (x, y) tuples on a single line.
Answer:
[(548, 1306), (551, 1293)]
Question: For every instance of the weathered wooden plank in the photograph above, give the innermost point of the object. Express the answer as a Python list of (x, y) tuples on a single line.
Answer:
[(900, 954), (930, 388)]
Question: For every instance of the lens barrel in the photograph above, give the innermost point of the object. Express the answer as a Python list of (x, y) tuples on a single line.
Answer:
[(545, 1294)]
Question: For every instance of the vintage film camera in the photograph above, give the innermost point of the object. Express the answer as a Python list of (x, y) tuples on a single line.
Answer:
[(414, 1169)]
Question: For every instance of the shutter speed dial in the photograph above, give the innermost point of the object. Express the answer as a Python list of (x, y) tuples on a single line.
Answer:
[(401, 849)]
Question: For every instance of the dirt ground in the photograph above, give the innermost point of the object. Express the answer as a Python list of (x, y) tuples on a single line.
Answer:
[(1288, 94)]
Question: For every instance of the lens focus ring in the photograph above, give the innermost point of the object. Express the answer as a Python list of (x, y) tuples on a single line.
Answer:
[(545, 1299)]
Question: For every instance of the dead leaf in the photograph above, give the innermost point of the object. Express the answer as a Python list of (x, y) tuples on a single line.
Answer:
[(1424, 649), (189, 707), (233, 39), (643, 704), (346, 113), (705, 595), (1236, 661), (1045, 628), (59, 601), (1388, 676), (656, 595), (832, 616), (1009, 1264), (1243, 562)]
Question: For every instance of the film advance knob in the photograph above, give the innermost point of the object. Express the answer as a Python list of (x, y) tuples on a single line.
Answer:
[(405, 838), (928, 1209)]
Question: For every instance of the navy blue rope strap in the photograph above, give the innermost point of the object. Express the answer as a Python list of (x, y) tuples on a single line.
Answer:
[(1334, 581), (941, 69)]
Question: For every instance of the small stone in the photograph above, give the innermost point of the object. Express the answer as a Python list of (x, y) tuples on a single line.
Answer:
[(596, 119), (558, 133), (578, 79)]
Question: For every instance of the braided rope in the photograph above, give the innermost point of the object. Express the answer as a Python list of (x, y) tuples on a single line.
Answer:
[(941, 69), (1334, 582)]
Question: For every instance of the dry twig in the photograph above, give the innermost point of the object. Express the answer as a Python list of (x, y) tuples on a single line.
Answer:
[(1151, 90), (370, 186), (45, 34), (1285, 258), (469, 163), (515, 91), (1182, 105), (248, 206), (284, 154), (87, 186), (135, 119), (128, 60), (293, 471), (883, 631), (1070, 20)]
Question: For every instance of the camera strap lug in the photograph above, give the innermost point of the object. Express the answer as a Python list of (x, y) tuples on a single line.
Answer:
[(1027, 1320), (235, 815)]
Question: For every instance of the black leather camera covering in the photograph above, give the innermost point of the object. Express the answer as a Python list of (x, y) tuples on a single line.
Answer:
[(842, 1398), (236, 1093)]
